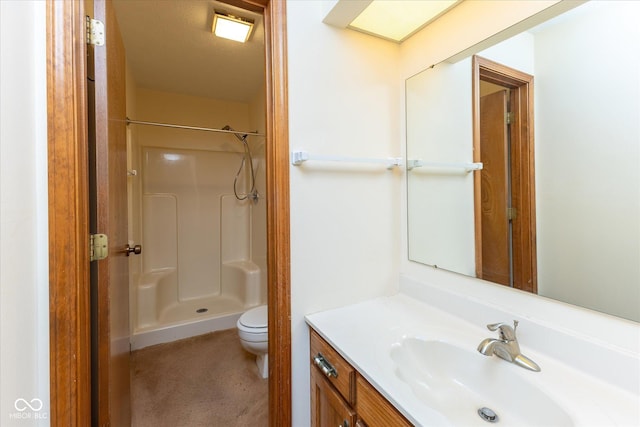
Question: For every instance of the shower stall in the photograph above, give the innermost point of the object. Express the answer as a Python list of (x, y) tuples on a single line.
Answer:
[(195, 209)]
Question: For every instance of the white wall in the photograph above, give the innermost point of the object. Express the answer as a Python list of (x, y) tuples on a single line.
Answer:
[(24, 287), (343, 100), (516, 52), (168, 107)]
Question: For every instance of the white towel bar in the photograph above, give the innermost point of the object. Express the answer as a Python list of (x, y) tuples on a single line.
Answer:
[(468, 167), (299, 157)]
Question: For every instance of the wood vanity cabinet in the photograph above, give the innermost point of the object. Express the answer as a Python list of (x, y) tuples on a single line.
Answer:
[(341, 397), (374, 410)]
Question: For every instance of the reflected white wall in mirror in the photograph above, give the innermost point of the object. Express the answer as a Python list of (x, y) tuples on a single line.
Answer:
[(586, 68), (440, 199)]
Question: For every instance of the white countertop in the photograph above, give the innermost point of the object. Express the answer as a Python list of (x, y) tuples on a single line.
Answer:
[(364, 334)]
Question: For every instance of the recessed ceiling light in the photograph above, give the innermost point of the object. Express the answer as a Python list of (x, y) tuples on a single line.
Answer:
[(232, 27), (394, 20)]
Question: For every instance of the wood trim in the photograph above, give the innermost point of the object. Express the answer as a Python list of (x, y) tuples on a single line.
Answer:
[(523, 167), (256, 6), (278, 240), (477, 181), (69, 308), (523, 185), (499, 74)]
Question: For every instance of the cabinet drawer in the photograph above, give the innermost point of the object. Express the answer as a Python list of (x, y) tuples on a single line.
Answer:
[(374, 410), (337, 371)]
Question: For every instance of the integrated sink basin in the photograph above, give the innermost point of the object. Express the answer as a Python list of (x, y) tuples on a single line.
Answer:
[(469, 389)]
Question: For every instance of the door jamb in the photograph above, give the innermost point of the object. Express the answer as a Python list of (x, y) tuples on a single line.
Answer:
[(69, 320)]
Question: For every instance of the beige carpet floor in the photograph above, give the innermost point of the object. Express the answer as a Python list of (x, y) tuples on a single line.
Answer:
[(207, 380)]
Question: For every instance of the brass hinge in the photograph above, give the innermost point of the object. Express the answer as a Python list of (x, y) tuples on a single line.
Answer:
[(511, 214), (95, 32), (98, 247), (509, 118)]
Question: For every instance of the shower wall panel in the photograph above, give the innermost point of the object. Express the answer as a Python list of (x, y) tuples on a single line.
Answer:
[(160, 230), (235, 227), (182, 193)]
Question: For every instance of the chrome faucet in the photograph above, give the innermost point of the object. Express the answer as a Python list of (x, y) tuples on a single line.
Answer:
[(506, 346)]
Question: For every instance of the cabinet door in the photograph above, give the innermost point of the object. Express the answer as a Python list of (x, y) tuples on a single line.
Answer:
[(328, 409), (374, 410)]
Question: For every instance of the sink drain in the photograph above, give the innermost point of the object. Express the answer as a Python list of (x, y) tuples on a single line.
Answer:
[(202, 310), (488, 415)]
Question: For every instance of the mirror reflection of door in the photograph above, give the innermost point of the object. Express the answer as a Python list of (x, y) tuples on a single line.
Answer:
[(504, 194), (495, 200)]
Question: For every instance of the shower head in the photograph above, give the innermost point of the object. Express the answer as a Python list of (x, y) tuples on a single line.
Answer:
[(241, 138), (253, 193)]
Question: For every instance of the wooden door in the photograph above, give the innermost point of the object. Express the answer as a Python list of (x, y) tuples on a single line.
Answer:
[(520, 170), (495, 188), (108, 195)]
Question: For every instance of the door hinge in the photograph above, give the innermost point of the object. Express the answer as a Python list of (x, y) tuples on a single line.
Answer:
[(511, 214), (98, 247), (509, 118), (95, 32)]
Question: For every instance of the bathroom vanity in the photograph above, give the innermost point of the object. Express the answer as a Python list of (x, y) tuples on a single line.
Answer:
[(340, 396), (413, 359)]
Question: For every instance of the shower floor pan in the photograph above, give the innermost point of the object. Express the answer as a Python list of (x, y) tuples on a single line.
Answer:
[(187, 319)]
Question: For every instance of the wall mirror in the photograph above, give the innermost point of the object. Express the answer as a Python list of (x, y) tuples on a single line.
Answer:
[(578, 149)]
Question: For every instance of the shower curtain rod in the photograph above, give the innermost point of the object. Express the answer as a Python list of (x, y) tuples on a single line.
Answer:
[(167, 125)]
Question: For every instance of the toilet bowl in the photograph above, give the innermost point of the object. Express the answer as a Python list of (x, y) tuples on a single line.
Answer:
[(253, 333)]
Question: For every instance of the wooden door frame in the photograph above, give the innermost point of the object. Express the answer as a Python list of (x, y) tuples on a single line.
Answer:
[(69, 303), (522, 166), (69, 309)]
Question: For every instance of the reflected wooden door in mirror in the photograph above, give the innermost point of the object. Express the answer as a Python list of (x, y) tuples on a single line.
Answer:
[(504, 195)]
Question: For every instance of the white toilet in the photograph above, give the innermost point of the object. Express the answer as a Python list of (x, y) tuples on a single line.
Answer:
[(253, 333)]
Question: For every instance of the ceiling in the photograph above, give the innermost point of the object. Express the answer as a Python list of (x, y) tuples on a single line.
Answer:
[(170, 47)]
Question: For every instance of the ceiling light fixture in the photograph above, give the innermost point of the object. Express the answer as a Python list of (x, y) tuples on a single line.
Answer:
[(232, 27), (394, 20)]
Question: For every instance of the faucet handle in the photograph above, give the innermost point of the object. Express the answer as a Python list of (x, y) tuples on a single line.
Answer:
[(506, 332)]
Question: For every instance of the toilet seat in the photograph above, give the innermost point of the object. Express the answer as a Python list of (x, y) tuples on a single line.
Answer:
[(252, 325), (257, 317)]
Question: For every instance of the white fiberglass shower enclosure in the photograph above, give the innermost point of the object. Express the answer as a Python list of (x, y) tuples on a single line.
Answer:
[(203, 260)]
